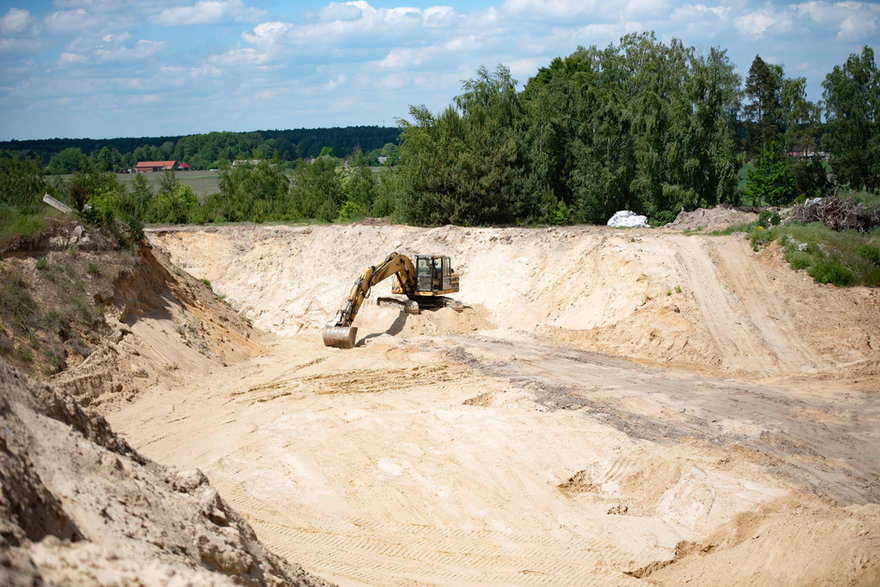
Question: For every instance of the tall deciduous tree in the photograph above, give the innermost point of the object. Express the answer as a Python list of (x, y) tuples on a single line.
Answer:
[(252, 192), (643, 125), (852, 103), (66, 161)]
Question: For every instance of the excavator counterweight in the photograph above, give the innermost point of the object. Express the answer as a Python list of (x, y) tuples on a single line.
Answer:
[(429, 277)]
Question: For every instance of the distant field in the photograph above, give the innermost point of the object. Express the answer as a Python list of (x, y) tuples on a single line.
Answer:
[(201, 182)]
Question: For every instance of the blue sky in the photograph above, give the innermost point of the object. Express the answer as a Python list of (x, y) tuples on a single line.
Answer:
[(120, 68)]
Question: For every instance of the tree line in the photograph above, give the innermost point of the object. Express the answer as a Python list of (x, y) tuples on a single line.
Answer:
[(204, 151), (642, 125)]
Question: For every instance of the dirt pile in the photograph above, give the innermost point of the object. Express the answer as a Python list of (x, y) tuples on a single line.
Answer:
[(79, 506), (711, 219)]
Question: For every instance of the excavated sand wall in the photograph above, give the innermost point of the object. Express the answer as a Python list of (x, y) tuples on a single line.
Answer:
[(696, 301)]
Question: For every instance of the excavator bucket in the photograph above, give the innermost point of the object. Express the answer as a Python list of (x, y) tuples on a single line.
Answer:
[(341, 337)]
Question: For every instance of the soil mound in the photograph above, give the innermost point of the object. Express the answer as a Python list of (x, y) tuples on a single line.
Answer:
[(711, 219), (79, 506)]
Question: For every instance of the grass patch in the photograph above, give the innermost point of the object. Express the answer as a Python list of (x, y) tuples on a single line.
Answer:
[(93, 270), (869, 199), (842, 258), (16, 225)]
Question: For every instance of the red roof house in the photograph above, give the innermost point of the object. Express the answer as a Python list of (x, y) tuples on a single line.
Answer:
[(151, 166)]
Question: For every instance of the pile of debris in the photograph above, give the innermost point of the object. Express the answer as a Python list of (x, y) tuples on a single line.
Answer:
[(837, 214)]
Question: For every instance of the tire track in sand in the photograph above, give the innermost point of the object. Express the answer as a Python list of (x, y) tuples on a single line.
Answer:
[(750, 332)]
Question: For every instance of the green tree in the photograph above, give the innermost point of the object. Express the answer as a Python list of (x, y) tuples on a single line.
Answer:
[(168, 182), (770, 181), (643, 126), (66, 161), (316, 190), (107, 159), (174, 207), (358, 188), (852, 104), (762, 109), (252, 193), (465, 166), (799, 117)]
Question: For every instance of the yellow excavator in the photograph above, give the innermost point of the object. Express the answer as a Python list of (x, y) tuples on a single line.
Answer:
[(426, 282)]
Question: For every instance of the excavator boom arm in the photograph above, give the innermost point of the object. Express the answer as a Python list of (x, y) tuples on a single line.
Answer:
[(394, 263), (340, 333)]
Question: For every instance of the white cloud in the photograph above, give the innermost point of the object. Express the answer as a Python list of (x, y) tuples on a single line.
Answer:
[(343, 11), (112, 47), (335, 82), (67, 58), (141, 50), (645, 8), (700, 11), (268, 34), (405, 57), (519, 68), (852, 20), (760, 21), (65, 21), (440, 16), (700, 19), (16, 21), (208, 12), (552, 9)]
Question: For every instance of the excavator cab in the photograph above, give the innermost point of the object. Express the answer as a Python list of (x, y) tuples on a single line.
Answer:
[(434, 277), (424, 282)]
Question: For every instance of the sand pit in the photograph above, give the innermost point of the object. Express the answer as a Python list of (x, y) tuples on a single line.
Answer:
[(613, 407)]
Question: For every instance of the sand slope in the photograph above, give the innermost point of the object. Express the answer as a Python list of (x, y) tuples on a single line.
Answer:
[(80, 507)]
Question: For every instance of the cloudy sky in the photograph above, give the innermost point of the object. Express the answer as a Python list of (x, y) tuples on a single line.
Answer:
[(114, 68)]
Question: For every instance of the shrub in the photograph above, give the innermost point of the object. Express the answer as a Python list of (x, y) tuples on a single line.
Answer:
[(871, 253), (768, 218), (832, 272)]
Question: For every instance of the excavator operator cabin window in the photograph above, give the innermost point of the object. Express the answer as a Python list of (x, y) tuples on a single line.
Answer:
[(423, 273), (435, 284)]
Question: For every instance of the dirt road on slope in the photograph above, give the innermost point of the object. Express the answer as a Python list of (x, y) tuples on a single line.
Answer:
[(549, 434)]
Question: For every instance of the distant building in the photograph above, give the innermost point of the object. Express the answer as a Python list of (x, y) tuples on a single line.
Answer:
[(249, 162), (183, 167), (153, 166)]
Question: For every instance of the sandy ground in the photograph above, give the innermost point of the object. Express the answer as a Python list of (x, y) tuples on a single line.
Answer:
[(614, 407)]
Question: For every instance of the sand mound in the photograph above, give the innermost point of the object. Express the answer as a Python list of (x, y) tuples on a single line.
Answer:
[(696, 301), (79, 506)]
